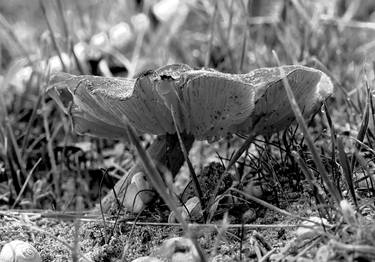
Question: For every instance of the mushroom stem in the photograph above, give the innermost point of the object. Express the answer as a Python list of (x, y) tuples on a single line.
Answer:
[(165, 150)]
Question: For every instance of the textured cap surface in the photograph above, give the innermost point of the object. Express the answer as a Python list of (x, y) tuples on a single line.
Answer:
[(272, 110), (206, 103)]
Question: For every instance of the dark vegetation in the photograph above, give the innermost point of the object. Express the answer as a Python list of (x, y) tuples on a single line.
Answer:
[(44, 166)]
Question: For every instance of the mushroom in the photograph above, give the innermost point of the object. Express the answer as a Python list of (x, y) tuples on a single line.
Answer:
[(19, 251), (207, 104)]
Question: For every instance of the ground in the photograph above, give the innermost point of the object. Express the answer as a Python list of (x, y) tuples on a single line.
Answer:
[(143, 240)]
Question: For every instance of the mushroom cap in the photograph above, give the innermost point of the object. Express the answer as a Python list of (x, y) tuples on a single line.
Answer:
[(206, 103), (272, 111)]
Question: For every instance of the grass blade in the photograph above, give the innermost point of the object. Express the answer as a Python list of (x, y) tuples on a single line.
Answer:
[(363, 163), (16, 149), (333, 143), (9, 30), (363, 129), (194, 177), (211, 36), (310, 142), (50, 151), (314, 184), (157, 182), (232, 161), (153, 175), (344, 161), (26, 183), (29, 125), (53, 37)]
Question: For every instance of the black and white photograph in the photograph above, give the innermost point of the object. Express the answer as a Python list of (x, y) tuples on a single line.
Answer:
[(187, 130)]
